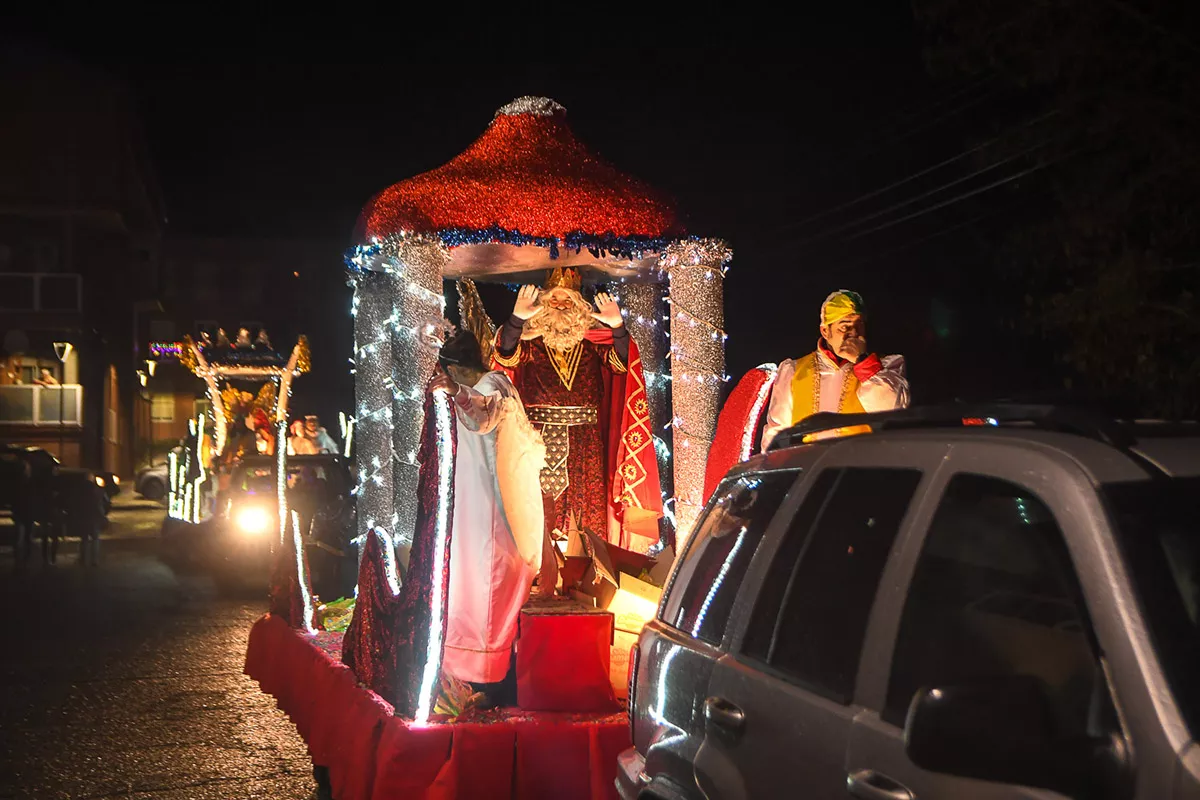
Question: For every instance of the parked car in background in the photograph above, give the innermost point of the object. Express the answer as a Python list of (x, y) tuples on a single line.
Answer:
[(51, 500), (151, 482), (45, 461), (998, 603)]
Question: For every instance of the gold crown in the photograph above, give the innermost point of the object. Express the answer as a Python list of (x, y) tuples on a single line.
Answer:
[(564, 278)]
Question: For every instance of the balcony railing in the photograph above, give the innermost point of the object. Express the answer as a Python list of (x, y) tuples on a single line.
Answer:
[(36, 291), (39, 405)]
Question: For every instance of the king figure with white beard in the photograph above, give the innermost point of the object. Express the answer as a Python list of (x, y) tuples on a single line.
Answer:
[(580, 378)]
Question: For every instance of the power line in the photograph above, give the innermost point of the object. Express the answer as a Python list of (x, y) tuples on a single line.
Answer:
[(855, 201), (925, 194), (963, 196), (876, 141), (921, 173), (915, 242), (953, 112), (904, 117)]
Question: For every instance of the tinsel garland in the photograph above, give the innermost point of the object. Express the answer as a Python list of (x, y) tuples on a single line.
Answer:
[(369, 648), (221, 356), (694, 251), (599, 245), (289, 593), (531, 104), (529, 176)]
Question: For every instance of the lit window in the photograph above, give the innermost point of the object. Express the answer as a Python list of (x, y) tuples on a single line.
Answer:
[(162, 408)]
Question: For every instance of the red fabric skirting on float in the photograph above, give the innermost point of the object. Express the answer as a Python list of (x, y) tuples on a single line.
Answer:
[(371, 754)]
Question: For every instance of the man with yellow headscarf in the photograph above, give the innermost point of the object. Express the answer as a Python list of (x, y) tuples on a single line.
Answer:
[(841, 376)]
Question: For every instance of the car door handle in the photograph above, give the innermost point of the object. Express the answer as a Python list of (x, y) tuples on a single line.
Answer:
[(724, 714), (871, 785)]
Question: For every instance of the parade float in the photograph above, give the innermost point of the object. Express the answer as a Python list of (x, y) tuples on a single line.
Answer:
[(247, 385), (232, 481), (525, 201)]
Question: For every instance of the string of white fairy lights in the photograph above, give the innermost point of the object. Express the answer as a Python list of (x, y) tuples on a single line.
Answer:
[(693, 363), (695, 270), (398, 308), (643, 307), (408, 269), (444, 418), (302, 575)]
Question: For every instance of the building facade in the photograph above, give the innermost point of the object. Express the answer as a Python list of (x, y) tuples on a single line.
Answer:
[(81, 224)]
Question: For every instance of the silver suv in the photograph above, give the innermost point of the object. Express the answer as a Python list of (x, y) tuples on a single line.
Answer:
[(995, 603)]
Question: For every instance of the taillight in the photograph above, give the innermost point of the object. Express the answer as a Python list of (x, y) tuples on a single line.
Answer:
[(632, 689)]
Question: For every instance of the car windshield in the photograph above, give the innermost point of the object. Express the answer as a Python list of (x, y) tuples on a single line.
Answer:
[(308, 477), (257, 479), (1159, 532)]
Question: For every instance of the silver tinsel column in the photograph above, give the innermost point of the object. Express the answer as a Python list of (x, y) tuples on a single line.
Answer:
[(695, 269), (418, 308)]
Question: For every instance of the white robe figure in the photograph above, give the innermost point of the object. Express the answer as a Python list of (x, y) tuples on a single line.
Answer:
[(496, 546)]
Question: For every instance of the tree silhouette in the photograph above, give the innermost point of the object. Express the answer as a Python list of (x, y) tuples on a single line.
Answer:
[(1109, 247)]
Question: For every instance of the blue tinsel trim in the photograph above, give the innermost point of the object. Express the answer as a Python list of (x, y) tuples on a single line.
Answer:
[(632, 247), (456, 237), (222, 356), (599, 245)]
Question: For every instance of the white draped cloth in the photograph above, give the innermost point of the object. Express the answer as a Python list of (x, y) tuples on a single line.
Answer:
[(496, 542)]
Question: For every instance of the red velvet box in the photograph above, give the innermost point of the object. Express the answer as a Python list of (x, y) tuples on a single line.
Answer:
[(563, 657)]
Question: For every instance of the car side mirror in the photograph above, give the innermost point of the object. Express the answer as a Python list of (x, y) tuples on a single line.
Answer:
[(1004, 730)]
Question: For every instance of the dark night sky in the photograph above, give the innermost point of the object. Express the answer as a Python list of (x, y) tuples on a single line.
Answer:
[(750, 142)]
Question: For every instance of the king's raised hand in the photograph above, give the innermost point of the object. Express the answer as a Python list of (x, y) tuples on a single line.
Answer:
[(607, 311), (527, 302)]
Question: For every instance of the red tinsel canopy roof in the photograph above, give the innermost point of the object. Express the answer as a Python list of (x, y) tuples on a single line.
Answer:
[(527, 173)]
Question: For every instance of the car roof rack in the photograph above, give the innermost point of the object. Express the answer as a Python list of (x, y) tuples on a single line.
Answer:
[(957, 415)]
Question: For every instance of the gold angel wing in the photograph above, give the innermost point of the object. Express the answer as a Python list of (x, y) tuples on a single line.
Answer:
[(304, 355), (266, 400), (230, 397), (475, 318)]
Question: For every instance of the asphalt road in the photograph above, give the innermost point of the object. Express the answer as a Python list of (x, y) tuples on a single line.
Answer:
[(125, 681)]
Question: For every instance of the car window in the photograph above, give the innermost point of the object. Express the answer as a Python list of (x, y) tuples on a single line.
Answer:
[(811, 615), (757, 642), (994, 595), (719, 551)]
